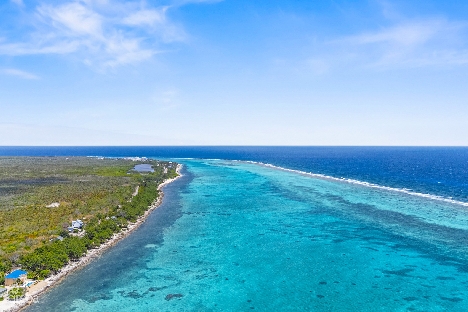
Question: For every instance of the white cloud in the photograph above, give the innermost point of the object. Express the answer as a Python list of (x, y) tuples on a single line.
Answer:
[(19, 73), (103, 33), (406, 34), (146, 17), (15, 49), (182, 2), (125, 51), (156, 22), (410, 43), (73, 17)]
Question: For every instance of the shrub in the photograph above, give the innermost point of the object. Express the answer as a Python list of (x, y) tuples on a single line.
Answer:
[(16, 293), (48, 257), (43, 274), (75, 247)]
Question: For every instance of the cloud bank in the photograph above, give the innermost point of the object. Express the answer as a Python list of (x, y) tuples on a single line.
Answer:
[(103, 33)]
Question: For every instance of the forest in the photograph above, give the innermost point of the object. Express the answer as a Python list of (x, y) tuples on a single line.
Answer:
[(40, 196)]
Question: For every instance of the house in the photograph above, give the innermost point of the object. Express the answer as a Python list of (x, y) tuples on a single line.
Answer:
[(11, 278), (76, 224)]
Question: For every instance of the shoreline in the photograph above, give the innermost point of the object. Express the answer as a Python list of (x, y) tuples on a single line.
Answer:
[(92, 254)]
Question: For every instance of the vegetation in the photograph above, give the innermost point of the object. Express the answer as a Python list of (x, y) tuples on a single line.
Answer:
[(16, 293), (98, 191)]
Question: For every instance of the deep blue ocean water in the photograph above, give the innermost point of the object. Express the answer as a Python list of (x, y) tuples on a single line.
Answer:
[(433, 170), (240, 236)]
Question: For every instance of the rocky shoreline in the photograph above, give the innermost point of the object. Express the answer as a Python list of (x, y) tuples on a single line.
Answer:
[(32, 296)]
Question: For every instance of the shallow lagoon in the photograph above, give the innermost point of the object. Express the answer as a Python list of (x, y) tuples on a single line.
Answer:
[(234, 236), (143, 168)]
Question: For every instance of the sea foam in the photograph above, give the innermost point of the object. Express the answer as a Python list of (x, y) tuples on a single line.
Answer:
[(362, 183)]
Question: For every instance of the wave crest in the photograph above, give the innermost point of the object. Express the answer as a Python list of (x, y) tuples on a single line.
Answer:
[(362, 183)]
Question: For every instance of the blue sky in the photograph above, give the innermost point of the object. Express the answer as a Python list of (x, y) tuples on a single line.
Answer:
[(194, 72)]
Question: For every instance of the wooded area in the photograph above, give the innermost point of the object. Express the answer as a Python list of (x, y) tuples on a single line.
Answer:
[(40, 196)]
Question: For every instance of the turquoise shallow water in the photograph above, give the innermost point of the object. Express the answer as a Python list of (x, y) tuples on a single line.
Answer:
[(234, 236)]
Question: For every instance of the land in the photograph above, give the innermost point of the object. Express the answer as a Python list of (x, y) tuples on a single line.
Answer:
[(39, 197)]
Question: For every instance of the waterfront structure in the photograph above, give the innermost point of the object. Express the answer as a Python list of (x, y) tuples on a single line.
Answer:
[(11, 278)]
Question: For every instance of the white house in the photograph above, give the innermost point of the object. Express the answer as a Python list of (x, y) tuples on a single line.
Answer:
[(76, 224)]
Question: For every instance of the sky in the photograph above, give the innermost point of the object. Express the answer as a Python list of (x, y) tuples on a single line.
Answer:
[(233, 72)]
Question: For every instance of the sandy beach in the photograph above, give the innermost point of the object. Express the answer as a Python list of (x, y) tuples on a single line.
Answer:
[(36, 290)]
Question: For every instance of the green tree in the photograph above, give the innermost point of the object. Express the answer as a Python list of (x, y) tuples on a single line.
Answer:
[(16, 293), (49, 257), (75, 247), (5, 265)]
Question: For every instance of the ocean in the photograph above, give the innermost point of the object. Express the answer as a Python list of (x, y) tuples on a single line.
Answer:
[(286, 229)]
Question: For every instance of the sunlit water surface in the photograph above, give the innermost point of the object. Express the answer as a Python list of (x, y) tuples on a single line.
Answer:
[(234, 236)]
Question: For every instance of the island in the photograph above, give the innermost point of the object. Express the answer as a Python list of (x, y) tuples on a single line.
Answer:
[(57, 213)]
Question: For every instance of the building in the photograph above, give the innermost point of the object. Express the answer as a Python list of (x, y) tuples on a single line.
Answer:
[(76, 224), (11, 278)]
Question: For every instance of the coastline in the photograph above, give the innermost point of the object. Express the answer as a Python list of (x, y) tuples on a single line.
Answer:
[(92, 254)]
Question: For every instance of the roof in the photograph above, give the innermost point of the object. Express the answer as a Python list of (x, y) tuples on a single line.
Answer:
[(77, 223), (16, 274)]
